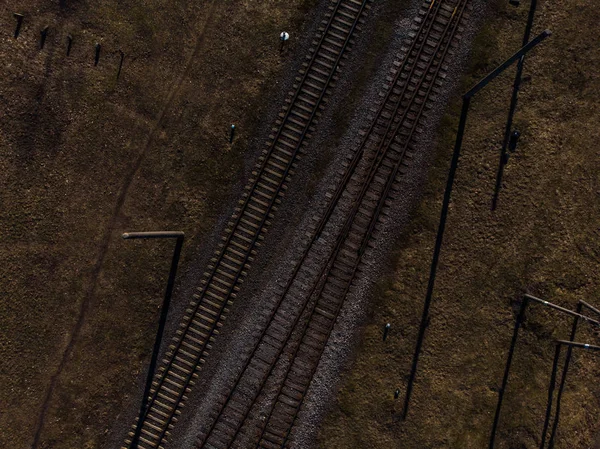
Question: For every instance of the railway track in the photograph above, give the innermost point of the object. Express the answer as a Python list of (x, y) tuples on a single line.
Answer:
[(301, 343), (250, 221)]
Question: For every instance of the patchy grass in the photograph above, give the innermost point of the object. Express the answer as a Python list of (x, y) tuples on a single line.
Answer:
[(543, 239), (70, 136)]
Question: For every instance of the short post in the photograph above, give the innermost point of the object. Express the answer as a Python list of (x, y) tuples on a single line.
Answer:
[(69, 43), (386, 330), (97, 57), (231, 133), (283, 37), (397, 393), (163, 318), (446, 203), (120, 63), (514, 139), (43, 35), (19, 18)]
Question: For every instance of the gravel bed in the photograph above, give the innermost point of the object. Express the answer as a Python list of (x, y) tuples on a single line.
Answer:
[(283, 245), (345, 338)]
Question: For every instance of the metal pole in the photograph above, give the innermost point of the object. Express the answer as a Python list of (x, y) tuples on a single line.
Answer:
[(589, 306), (571, 345), (449, 184), (526, 300), (510, 61), (511, 352), (561, 387), (550, 393), (513, 106), (97, 54), (575, 344), (562, 383), (565, 311), (163, 319), (19, 18)]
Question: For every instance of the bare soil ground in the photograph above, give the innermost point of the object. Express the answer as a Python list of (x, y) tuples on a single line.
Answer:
[(543, 239), (85, 158)]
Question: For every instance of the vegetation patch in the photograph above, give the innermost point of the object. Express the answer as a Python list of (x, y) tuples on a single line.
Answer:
[(543, 239)]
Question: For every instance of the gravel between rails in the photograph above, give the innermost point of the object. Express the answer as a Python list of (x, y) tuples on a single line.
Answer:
[(188, 281), (338, 353), (294, 218), (292, 221)]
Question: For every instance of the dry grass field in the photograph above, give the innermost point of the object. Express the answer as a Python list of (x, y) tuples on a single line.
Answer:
[(543, 239), (85, 158)]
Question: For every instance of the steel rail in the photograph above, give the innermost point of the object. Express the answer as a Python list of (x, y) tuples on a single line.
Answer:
[(391, 180), (358, 155), (290, 108), (323, 222)]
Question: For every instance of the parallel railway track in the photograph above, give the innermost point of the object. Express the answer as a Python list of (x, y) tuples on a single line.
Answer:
[(296, 337), (245, 232)]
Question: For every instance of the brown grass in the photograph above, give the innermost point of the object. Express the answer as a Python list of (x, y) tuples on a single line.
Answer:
[(543, 239), (69, 138)]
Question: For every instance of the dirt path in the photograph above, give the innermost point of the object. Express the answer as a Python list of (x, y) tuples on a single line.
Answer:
[(112, 225)]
